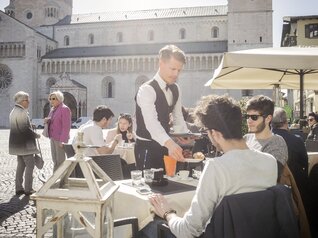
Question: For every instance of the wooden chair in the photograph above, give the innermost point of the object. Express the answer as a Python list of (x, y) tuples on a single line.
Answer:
[(133, 221)]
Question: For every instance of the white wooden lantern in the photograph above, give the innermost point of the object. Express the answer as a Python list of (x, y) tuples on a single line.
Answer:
[(65, 201)]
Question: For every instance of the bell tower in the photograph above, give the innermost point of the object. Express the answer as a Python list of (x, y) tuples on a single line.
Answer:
[(35, 13), (250, 24)]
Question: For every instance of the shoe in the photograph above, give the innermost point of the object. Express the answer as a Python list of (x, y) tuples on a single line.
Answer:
[(28, 193), (19, 192)]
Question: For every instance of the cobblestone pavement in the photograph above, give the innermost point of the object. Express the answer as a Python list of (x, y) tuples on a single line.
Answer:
[(17, 213)]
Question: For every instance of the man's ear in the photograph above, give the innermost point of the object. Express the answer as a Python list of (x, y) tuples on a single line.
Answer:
[(216, 135), (268, 119)]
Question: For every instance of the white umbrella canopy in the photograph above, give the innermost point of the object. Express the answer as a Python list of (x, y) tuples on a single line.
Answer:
[(264, 68)]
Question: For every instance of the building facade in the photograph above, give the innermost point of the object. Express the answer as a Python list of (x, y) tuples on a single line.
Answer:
[(102, 58), (302, 31)]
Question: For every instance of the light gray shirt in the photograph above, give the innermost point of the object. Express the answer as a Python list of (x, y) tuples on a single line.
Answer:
[(237, 171), (275, 145)]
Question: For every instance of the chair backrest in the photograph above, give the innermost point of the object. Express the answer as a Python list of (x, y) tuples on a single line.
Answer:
[(288, 179), (69, 150), (260, 214), (110, 164), (132, 221), (311, 145)]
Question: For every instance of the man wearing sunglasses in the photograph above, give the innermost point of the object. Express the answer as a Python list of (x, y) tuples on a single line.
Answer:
[(259, 114), (312, 122)]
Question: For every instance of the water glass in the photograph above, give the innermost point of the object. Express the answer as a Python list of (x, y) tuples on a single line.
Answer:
[(136, 176), (148, 175)]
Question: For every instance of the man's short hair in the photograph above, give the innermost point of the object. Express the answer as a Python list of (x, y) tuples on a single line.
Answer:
[(172, 51), (20, 96), (220, 113), (102, 111), (314, 115), (279, 118), (263, 104)]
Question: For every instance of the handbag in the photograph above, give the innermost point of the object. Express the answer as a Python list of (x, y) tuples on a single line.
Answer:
[(38, 160), (45, 132)]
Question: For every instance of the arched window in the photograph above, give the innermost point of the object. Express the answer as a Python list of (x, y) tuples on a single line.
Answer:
[(150, 35), (108, 84), (182, 33), (66, 40), (119, 37), (215, 32), (49, 83), (139, 81), (90, 39)]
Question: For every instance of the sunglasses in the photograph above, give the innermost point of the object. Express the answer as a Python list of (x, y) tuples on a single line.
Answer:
[(52, 99), (124, 115), (253, 117), (310, 119)]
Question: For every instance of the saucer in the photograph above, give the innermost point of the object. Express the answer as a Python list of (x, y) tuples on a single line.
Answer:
[(184, 179), (193, 160), (178, 178)]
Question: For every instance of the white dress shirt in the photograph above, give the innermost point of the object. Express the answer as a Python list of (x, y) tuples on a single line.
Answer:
[(146, 98)]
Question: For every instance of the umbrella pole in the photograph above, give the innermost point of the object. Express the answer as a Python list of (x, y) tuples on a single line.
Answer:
[(301, 97)]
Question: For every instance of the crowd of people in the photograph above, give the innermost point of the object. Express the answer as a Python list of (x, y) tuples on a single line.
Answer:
[(267, 155)]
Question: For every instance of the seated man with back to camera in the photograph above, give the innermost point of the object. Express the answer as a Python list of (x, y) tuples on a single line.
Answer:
[(238, 170), (93, 132)]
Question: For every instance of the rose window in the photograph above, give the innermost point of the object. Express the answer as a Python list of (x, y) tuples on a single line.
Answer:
[(5, 77)]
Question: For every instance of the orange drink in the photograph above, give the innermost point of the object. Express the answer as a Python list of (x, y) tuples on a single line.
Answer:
[(170, 165)]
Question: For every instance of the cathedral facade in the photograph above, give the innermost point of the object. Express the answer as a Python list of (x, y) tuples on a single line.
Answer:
[(103, 58)]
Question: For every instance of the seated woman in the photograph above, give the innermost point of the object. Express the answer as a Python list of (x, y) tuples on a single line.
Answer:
[(124, 127)]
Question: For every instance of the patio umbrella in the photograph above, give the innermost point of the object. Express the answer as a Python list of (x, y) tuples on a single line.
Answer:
[(266, 68)]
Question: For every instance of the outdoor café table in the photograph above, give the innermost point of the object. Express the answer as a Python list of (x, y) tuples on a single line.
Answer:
[(126, 152), (128, 202), (312, 160)]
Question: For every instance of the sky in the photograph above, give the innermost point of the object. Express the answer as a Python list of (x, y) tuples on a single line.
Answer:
[(281, 8)]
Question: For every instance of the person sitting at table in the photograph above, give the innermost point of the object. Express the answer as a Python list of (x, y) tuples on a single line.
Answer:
[(238, 170), (297, 153), (124, 127), (313, 125), (93, 132)]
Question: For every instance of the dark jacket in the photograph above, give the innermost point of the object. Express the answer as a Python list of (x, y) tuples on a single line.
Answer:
[(260, 214), (313, 133), (22, 137), (297, 158)]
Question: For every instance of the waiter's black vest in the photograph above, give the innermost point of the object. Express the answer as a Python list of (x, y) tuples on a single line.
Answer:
[(162, 108)]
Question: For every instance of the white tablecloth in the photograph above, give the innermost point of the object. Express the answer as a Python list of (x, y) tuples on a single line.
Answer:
[(130, 203), (312, 160), (126, 153)]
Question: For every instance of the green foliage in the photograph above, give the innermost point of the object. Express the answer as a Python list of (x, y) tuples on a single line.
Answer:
[(242, 104)]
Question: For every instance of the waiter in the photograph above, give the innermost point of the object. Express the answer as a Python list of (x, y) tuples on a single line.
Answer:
[(155, 100)]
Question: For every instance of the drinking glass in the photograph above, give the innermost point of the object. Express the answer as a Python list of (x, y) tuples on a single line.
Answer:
[(136, 176)]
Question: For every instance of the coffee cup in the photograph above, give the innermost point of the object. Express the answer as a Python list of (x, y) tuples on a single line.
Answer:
[(183, 174)]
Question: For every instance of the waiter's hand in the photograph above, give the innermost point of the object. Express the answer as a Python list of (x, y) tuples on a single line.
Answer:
[(174, 150)]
